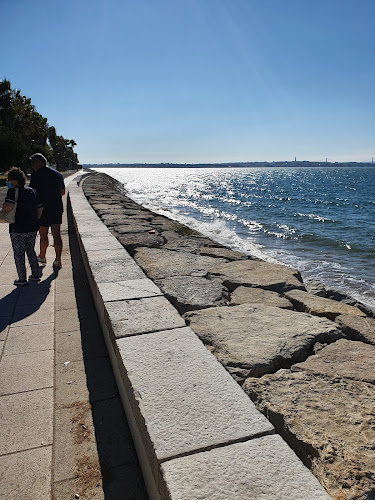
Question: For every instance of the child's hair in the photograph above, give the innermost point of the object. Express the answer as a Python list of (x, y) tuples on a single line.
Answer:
[(16, 174)]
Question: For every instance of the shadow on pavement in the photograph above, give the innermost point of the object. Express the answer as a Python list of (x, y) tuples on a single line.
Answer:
[(22, 302), (121, 473)]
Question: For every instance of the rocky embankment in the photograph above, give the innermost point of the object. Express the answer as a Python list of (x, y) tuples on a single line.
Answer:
[(304, 354)]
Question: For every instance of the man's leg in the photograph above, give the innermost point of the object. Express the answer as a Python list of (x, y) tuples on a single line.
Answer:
[(55, 230), (43, 232)]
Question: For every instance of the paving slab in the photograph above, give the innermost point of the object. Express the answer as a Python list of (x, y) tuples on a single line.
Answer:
[(182, 398), (33, 314), (111, 267), (26, 420), (26, 372), (25, 475), (66, 320), (263, 469), (103, 243), (131, 317), (130, 289), (37, 293), (30, 338), (8, 274), (75, 427), (4, 328), (68, 346), (72, 386)]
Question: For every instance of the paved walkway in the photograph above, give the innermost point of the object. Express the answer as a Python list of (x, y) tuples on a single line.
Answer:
[(58, 397)]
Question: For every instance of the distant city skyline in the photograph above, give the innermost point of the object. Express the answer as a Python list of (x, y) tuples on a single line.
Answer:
[(198, 81)]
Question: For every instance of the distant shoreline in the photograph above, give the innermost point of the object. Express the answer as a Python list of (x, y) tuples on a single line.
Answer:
[(261, 164)]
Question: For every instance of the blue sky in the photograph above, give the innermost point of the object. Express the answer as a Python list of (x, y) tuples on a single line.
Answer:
[(198, 80)]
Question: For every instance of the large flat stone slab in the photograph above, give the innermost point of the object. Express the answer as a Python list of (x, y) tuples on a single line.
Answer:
[(344, 358), (160, 263), (320, 306), (251, 340), (249, 295), (182, 399), (358, 328), (131, 317), (130, 289), (187, 293), (262, 469), (259, 274), (328, 421), (112, 267), (26, 372), (103, 243), (31, 338)]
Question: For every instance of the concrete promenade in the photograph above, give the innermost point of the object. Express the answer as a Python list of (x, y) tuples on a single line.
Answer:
[(58, 397)]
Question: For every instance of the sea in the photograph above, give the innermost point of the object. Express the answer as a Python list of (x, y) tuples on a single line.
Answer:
[(320, 220)]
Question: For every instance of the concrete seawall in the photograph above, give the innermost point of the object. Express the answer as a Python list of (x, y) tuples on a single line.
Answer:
[(197, 434)]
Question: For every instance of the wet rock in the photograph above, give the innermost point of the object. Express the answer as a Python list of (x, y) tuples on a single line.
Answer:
[(251, 340), (357, 328), (159, 264), (345, 359), (329, 422), (319, 306), (248, 295), (188, 293), (259, 274)]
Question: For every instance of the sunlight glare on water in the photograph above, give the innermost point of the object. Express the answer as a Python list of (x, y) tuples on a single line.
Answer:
[(319, 220)]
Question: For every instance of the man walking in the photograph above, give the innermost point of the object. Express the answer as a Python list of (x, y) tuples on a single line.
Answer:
[(49, 184)]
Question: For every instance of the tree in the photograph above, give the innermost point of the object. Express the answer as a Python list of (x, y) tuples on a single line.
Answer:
[(24, 131)]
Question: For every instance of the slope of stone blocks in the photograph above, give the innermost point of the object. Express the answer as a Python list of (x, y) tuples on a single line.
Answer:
[(179, 400)]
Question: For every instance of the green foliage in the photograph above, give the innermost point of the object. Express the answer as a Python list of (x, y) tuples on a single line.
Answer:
[(12, 149), (24, 131), (182, 230)]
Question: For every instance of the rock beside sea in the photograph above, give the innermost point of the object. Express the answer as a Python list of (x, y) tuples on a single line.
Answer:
[(319, 306), (357, 328), (259, 274), (248, 295), (252, 340), (328, 421)]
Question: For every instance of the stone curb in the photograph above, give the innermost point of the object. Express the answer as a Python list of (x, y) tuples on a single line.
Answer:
[(186, 413)]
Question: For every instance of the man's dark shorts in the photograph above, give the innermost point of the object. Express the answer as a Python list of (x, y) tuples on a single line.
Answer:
[(51, 217)]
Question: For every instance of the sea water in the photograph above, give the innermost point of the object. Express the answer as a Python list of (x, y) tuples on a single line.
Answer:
[(320, 220)]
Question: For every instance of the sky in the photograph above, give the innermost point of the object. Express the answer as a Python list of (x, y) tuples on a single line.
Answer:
[(198, 81)]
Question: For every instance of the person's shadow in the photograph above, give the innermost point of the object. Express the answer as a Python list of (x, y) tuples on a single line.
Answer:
[(22, 302)]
